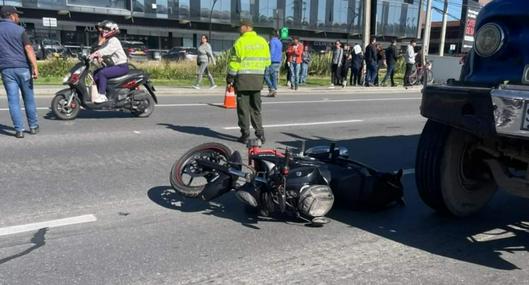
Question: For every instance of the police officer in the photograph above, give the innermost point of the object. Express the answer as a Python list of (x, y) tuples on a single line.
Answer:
[(249, 58)]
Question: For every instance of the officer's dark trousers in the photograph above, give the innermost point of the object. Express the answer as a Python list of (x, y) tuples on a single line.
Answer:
[(249, 110)]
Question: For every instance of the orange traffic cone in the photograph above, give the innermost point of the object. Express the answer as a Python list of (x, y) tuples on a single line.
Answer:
[(229, 98)]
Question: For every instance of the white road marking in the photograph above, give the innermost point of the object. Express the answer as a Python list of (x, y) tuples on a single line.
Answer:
[(137, 132), (408, 171), (324, 100), (302, 124), (49, 224), (38, 108)]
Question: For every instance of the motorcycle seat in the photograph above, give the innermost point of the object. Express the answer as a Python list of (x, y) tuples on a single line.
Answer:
[(132, 73)]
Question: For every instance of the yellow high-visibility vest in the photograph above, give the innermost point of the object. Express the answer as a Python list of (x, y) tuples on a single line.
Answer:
[(250, 55)]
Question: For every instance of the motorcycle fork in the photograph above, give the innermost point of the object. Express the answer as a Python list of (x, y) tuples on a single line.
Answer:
[(71, 97)]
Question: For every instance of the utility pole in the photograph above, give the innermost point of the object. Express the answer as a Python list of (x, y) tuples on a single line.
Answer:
[(427, 29), (443, 30), (367, 22)]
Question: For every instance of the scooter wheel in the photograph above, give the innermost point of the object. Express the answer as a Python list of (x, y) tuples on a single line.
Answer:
[(63, 111)]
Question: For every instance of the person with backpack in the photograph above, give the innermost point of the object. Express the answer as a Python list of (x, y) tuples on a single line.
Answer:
[(356, 66)]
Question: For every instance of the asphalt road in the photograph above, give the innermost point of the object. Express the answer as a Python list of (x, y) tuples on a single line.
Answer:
[(108, 173)]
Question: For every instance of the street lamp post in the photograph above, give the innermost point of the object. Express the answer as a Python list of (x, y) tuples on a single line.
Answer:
[(210, 18)]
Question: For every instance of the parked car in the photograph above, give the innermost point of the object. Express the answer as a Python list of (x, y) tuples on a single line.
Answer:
[(181, 53), (476, 139), (135, 50), (46, 48)]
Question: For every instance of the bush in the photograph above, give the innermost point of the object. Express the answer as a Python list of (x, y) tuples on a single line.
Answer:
[(183, 70)]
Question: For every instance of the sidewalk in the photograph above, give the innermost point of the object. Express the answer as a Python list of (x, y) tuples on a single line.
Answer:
[(50, 90)]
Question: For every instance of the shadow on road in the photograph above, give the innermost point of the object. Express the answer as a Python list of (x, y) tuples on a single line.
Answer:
[(227, 206), (6, 130), (88, 114), (483, 239), (200, 131), (38, 240)]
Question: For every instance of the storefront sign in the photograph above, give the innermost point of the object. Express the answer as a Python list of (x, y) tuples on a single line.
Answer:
[(49, 22), (470, 15)]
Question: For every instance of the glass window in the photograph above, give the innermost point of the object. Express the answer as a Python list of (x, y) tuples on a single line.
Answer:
[(139, 5), (339, 12), (305, 12), (118, 4), (221, 11), (161, 7), (322, 15), (17, 3), (266, 11), (244, 11)]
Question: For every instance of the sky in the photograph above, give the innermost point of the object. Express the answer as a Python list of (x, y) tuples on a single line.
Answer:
[(454, 9)]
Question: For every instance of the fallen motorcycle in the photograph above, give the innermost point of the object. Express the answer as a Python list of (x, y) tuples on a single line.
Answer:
[(301, 184)]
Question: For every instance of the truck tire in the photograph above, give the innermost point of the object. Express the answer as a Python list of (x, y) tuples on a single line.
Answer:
[(451, 178)]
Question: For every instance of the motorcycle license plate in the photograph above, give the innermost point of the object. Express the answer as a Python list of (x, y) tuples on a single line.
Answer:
[(525, 123)]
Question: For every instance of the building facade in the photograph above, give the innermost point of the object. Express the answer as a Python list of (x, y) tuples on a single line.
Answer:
[(162, 24)]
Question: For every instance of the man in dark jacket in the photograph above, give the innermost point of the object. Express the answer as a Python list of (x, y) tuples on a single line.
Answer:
[(391, 61), (18, 66), (371, 62)]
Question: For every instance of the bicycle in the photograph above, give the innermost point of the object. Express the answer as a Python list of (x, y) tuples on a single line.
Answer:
[(419, 74)]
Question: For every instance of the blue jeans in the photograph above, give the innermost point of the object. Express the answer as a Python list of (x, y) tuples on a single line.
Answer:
[(15, 80), (272, 75), (371, 73), (304, 72), (390, 74), (295, 72)]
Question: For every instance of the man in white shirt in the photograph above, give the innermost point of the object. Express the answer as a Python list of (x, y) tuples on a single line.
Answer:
[(410, 62)]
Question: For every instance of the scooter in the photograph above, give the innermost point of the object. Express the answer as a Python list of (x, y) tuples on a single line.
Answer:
[(132, 92)]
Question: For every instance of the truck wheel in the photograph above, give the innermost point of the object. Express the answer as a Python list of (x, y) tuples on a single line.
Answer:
[(451, 176)]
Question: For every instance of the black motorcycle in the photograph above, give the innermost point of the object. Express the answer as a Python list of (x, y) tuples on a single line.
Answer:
[(133, 92), (302, 184)]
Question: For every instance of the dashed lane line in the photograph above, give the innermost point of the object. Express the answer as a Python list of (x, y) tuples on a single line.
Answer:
[(48, 224)]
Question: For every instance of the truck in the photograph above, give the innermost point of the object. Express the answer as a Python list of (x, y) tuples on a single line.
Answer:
[(476, 138)]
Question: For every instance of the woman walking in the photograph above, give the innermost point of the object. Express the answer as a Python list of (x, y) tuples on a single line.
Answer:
[(205, 56), (336, 68)]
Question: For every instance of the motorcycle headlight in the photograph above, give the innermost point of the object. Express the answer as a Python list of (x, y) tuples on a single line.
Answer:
[(315, 200), (489, 40)]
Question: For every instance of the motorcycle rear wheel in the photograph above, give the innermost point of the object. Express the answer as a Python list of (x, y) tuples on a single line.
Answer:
[(185, 170), (147, 110)]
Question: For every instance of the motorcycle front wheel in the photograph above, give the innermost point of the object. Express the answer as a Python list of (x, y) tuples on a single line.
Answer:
[(61, 109), (188, 177)]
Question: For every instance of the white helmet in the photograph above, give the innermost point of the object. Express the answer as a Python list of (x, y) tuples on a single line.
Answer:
[(109, 29)]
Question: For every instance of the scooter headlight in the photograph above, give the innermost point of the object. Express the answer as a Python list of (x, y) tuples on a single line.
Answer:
[(489, 40), (315, 200)]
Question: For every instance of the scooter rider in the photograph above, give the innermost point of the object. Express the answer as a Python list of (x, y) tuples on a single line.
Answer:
[(112, 55)]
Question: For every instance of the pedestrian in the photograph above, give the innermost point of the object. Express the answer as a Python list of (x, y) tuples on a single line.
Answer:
[(381, 62), (18, 66), (356, 65), (249, 58), (346, 64), (295, 56), (287, 66), (272, 72), (391, 61), (410, 62), (305, 64), (371, 62), (204, 58), (336, 64)]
